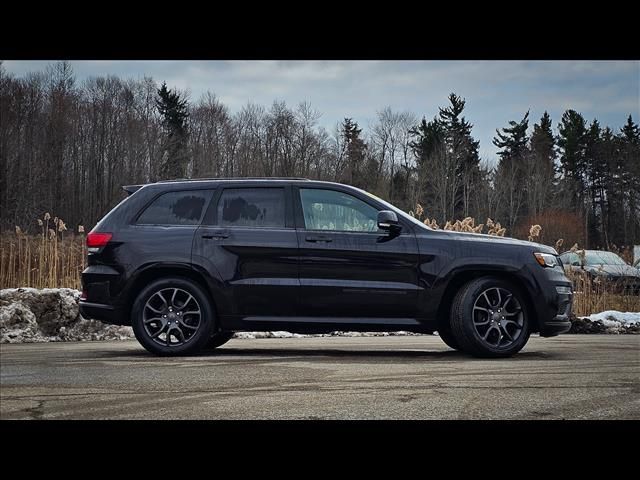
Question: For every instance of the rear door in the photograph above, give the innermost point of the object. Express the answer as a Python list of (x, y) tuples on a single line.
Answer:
[(349, 268), (248, 238)]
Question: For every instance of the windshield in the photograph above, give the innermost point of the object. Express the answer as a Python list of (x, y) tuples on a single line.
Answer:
[(602, 258), (395, 209)]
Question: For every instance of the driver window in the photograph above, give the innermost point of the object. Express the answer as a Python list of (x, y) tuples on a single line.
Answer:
[(337, 211)]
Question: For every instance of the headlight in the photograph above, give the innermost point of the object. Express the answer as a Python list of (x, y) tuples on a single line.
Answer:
[(563, 290), (546, 259)]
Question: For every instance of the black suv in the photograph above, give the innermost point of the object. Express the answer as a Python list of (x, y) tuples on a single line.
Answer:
[(187, 263)]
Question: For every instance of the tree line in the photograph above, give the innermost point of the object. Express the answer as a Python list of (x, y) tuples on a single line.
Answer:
[(66, 147)]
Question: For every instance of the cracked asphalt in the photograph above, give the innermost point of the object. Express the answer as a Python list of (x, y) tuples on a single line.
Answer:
[(411, 377)]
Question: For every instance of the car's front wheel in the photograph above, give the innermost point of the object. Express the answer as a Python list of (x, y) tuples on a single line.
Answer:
[(489, 318), (446, 335), (172, 316)]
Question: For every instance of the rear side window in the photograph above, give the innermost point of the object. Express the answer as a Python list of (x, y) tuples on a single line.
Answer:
[(251, 207), (176, 208)]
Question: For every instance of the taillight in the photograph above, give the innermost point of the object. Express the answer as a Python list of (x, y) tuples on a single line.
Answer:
[(96, 240)]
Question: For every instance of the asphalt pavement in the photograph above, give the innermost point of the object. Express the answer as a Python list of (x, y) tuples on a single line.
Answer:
[(394, 377)]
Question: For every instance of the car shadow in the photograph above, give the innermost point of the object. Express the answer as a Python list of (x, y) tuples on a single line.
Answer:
[(227, 352)]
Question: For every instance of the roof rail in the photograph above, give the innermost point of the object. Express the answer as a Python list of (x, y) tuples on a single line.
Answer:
[(231, 178)]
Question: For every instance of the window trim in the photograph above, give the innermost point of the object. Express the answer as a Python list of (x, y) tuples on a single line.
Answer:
[(212, 211), (208, 191)]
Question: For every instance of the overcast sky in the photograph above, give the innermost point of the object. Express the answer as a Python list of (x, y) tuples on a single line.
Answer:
[(495, 91)]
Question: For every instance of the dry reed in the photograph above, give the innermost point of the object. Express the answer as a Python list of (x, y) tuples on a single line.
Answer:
[(48, 260)]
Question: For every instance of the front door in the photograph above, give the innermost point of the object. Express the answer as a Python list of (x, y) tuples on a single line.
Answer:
[(348, 267)]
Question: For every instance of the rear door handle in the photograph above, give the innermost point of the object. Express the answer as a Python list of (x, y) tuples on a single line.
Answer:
[(215, 235), (319, 238)]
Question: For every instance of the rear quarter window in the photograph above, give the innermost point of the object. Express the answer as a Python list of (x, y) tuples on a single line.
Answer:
[(176, 208)]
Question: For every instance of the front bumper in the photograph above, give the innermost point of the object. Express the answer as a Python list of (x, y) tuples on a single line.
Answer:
[(552, 302), (553, 328)]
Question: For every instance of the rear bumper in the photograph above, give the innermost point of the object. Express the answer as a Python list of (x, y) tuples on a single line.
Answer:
[(104, 313)]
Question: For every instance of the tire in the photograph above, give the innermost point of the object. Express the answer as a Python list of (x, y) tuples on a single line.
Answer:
[(447, 336), (489, 318), (176, 305), (218, 340)]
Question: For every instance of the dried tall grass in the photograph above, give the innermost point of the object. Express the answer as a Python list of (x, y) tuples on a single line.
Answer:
[(48, 260), (592, 296)]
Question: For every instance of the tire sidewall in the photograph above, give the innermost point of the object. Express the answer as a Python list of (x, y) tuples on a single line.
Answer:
[(202, 335)]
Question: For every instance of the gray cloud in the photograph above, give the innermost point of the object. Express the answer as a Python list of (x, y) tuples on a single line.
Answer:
[(496, 91)]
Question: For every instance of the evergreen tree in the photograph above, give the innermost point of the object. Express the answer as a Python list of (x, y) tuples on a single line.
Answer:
[(595, 175), (511, 175), (355, 152), (513, 140), (541, 166), (571, 141), (448, 160), (174, 112), (627, 179), (463, 150), (429, 136)]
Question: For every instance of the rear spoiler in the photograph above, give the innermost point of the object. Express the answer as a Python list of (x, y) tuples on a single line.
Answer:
[(130, 189)]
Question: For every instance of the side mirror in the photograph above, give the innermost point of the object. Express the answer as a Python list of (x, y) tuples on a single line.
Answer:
[(388, 220)]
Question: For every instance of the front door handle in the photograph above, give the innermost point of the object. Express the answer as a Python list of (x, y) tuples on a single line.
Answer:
[(215, 236), (319, 238)]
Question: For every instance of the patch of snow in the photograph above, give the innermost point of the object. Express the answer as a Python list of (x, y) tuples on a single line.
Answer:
[(50, 315), (613, 318)]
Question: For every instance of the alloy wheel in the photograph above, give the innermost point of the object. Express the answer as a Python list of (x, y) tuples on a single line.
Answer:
[(171, 317), (498, 317)]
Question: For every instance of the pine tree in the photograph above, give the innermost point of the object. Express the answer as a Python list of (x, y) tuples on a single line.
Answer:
[(541, 166), (448, 161), (429, 136), (511, 173), (355, 152), (628, 179), (595, 173), (463, 149), (571, 141), (513, 140), (174, 112)]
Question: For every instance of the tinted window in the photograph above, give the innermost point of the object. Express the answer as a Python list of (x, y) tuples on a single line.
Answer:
[(332, 210), (251, 207), (176, 208)]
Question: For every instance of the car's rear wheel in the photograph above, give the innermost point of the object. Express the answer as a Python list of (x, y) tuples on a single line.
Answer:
[(218, 340), (489, 318), (172, 316)]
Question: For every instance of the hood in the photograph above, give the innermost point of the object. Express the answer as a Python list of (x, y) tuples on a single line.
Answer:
[(494, 240), (613, 270)]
